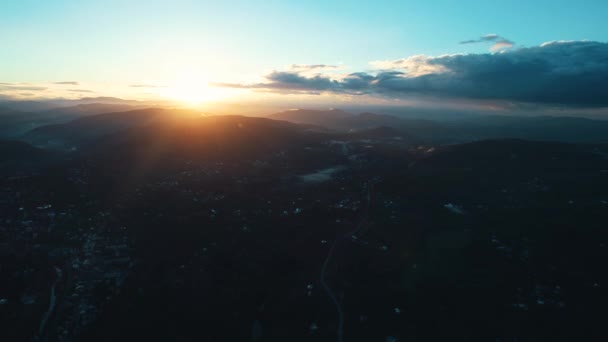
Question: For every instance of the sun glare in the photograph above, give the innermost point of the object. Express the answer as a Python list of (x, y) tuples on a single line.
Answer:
[(194, 90)]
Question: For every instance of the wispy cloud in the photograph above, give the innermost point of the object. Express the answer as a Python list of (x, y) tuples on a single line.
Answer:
[(67, 83), (146, 86), (500, 43), (81, 90), (492, 37), (308, 67), (21, 86)]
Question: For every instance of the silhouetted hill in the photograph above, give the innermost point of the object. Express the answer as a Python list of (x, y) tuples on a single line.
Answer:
[(28, 105), (46, 105), (88, 129), (199, 137), (103, 100), (14, 123), (19, 157), (312, 117), (337, 119), (489, 170), (7, 111), (344, 121), (17, 150), (568, 129), (381, 132), (169, 144), (89, 109), (502, 153), (372, 120)]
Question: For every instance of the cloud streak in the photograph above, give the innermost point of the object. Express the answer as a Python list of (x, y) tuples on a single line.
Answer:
[(67, 83), (573, 73), (500, 43), (145, 86), (20, 86), (308, 67), (81, 90)]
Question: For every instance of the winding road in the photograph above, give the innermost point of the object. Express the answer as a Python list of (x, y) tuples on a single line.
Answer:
[(330, 254), (52, 302)]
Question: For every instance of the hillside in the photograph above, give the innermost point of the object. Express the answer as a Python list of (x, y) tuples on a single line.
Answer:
[(542, 128), (312, 117), (87, 129), (19, 157)]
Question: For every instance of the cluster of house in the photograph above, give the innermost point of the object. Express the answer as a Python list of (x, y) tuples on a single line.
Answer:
[(83, 254)]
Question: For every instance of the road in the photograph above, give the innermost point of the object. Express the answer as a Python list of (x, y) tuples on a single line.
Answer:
[(332, 250), (52, 302)]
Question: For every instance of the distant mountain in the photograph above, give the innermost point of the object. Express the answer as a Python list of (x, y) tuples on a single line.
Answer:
[(166, 144), (92, 109), (381, 132), (14, 123), (45, 105), (204, 134), (337, 119), (27, 105), (547, 128), (90, 128), (8, 111), (312, 117), (100, 99), (343, 121)]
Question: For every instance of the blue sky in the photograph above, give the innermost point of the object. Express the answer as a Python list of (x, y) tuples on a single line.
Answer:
[(125, 42)]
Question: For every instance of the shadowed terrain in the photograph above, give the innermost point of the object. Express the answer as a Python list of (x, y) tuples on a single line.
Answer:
[(162, 224)]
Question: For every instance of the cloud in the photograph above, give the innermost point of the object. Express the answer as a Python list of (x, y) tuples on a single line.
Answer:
[(290, 82), (68, 83), (145, 86), (492, 37), (500, 43), (417, 65), (20, 86), (308, 67), (573, 73), (81, 91)]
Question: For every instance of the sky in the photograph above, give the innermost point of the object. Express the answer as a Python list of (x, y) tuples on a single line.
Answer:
[(267, 50)]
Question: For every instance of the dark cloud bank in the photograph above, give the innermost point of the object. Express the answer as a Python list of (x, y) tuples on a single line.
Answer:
[(561, 73)]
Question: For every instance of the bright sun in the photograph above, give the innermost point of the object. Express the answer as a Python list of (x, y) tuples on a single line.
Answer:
[(194, 90)]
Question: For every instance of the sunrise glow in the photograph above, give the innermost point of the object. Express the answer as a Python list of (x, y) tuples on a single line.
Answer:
[(194, 89)]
